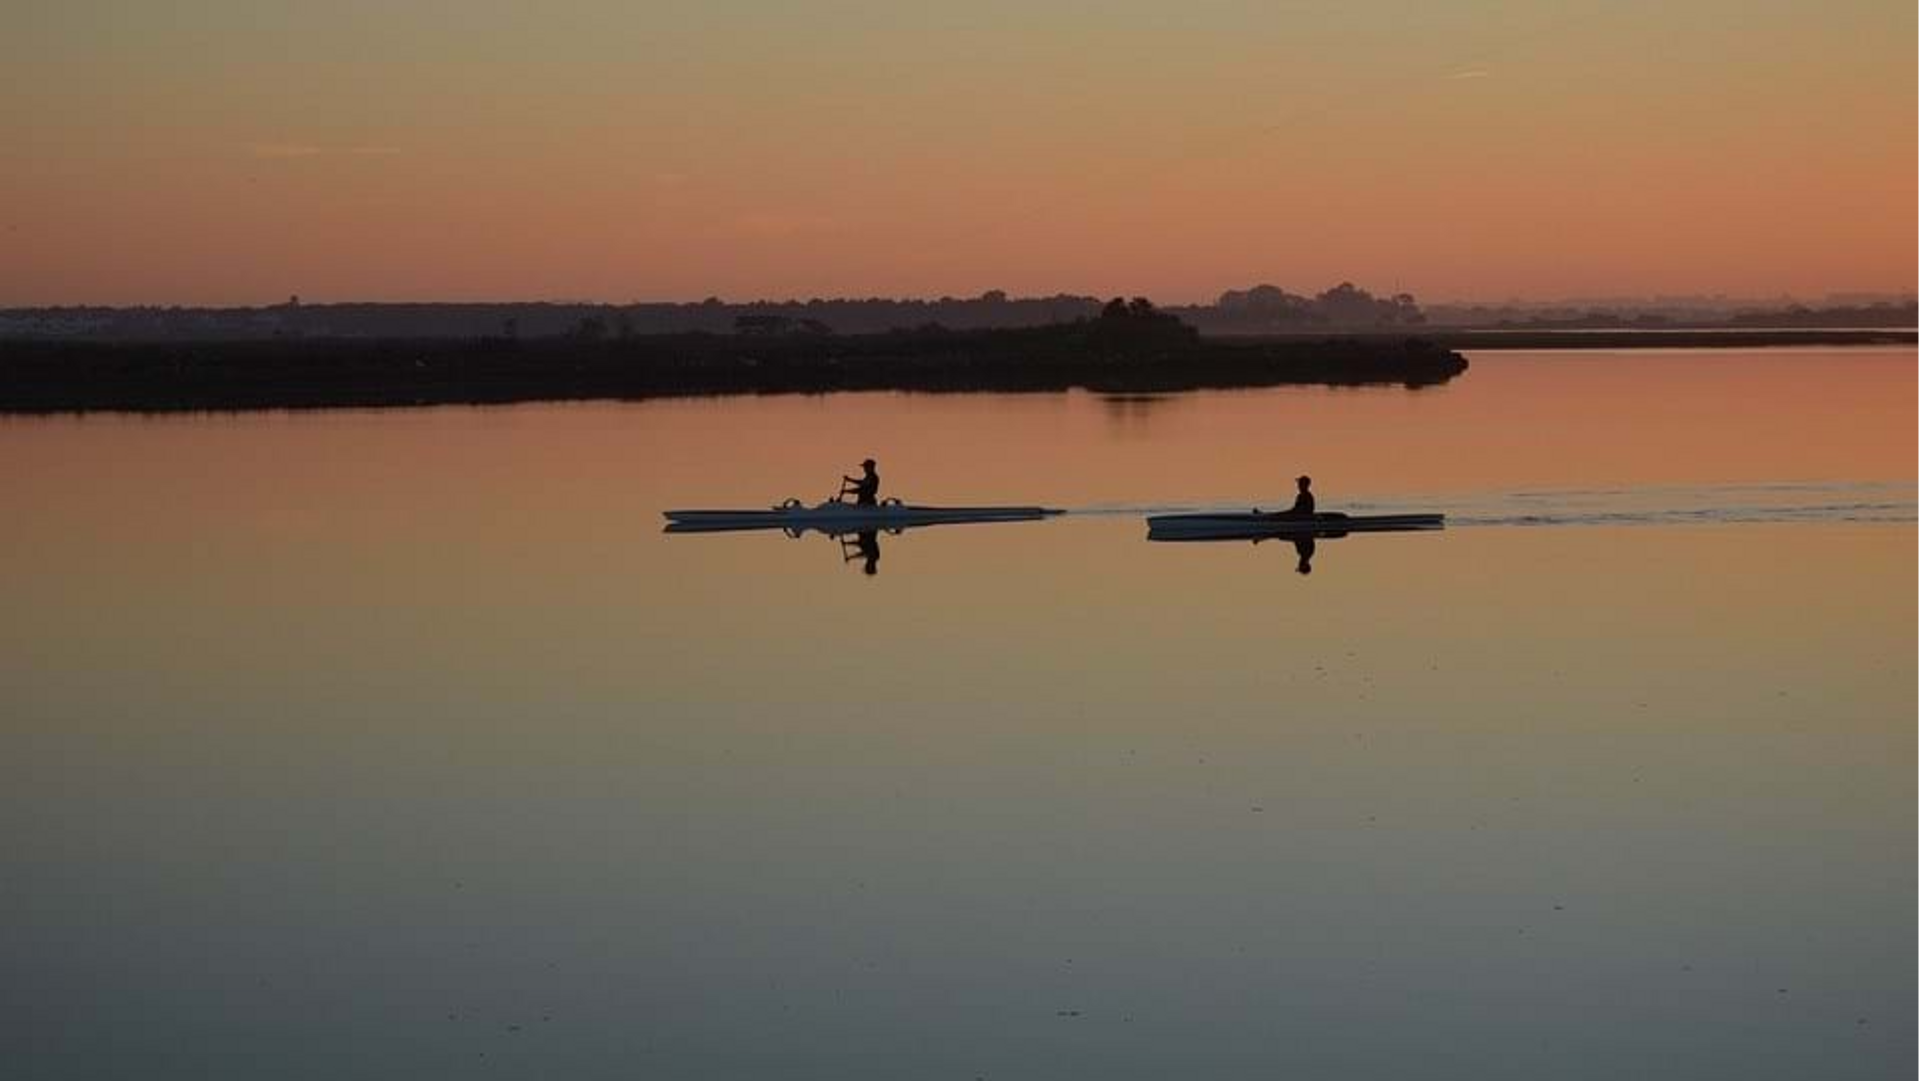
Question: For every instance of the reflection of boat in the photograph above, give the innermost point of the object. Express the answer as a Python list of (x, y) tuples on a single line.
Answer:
[(837, 517), (1254, 526)]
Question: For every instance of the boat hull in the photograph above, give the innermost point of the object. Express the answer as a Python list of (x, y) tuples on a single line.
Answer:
[(845, 517), (1251, 526)]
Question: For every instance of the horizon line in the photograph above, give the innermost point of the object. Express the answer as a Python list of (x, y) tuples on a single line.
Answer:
[(1833, 296)]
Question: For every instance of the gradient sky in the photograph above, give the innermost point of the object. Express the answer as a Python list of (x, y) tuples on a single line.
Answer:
[(220, 151)]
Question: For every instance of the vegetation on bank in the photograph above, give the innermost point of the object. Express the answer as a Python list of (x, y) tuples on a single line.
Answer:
[(1342, 307), (1129, 347), (1630, 337)]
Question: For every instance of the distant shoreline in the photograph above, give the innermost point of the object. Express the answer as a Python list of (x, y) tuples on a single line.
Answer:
[(1262, 309), (1604, 338), (67, 377), (38, 376)]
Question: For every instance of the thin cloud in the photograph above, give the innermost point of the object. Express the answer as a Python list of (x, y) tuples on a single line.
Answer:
[(1471, 73)]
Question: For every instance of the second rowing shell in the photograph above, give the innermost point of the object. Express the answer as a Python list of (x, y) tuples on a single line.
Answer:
[(1243, 526)]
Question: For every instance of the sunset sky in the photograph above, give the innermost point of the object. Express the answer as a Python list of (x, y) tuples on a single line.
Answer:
[(220, 151)]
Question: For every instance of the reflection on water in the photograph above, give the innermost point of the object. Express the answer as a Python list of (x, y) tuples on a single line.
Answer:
[(856, 545), (1304, 548), (863, 546), (406, 744), (1129, 416)]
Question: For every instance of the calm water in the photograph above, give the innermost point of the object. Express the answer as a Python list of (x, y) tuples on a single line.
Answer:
[(404, 744)]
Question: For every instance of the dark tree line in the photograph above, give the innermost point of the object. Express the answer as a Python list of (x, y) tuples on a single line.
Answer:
[(1263, 307)]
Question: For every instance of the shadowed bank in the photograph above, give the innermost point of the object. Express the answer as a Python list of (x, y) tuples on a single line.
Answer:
[(1130, 347)]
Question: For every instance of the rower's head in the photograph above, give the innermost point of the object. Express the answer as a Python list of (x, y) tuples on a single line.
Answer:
[(868, 465), (1303, 482)]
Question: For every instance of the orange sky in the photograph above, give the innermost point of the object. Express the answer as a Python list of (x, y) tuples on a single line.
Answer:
[(212, 151)]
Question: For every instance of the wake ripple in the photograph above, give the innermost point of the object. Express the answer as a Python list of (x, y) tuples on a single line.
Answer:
[(1876, 502)]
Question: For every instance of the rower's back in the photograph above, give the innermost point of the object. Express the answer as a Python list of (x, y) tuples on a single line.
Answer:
[(1303, 503)]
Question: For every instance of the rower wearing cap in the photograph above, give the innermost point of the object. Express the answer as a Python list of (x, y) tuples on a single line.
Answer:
[(865, 488)]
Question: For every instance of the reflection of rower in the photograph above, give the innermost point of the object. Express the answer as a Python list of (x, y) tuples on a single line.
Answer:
[(864, 488), (865, 545), (1303, 547)]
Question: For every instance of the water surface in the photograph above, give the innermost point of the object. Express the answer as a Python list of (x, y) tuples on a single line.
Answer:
[(401, 744)]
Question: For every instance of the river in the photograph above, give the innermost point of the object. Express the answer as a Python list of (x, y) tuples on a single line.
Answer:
[(405, 743)]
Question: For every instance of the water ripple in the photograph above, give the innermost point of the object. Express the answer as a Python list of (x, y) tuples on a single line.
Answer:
[(1877, 502)]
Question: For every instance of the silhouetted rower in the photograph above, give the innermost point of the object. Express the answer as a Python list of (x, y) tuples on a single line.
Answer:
[(1302, 503), (865, 487)]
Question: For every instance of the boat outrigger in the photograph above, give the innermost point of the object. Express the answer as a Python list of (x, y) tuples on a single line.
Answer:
[(836, 516), (1255, 525)]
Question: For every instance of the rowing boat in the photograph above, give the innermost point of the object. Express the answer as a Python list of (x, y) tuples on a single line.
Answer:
[(833, 516), (1253, 525)]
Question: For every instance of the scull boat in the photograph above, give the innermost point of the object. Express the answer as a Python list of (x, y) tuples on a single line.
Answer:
[(833, 516), (1253, 525)]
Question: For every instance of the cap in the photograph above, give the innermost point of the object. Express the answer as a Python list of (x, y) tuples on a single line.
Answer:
[(869, 461)]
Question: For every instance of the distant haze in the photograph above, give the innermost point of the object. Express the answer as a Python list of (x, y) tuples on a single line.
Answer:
[(227, 152)]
